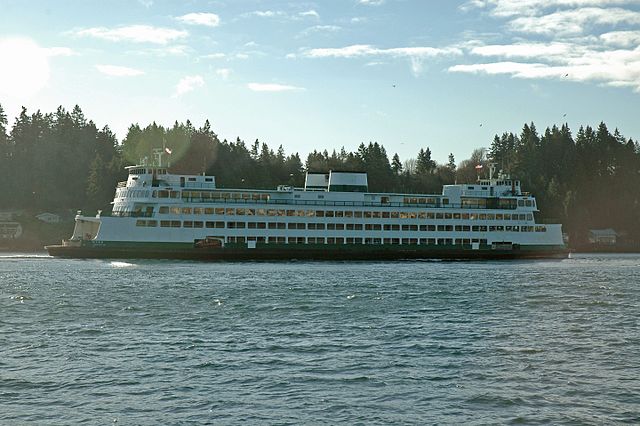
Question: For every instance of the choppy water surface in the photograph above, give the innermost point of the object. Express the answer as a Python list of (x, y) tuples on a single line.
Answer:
[(158, 342)]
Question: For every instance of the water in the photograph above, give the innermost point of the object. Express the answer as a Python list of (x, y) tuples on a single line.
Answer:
[(158, 342)]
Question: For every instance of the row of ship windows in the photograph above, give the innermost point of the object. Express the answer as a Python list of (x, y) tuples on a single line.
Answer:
[(337, 226), (341, 213), (357, 240)]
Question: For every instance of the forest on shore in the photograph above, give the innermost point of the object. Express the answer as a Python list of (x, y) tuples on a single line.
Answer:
[(61, 162)]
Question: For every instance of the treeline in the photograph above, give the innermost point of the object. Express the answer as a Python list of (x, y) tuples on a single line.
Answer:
[(591, 181), (61, 161)]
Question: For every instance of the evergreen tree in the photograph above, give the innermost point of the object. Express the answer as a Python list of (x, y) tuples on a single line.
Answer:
[(396, 165)]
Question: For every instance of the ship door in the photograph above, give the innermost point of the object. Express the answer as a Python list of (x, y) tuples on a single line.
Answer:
[(182, 181), (491, 191)]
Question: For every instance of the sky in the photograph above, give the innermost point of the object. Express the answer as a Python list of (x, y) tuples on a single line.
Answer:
[(408, 74)]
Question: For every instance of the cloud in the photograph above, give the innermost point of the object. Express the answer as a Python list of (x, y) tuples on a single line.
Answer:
[(320, 29), (310, 13), (25, 68), (580, 63), (188, 84), (223, 73), (371, 2), (364, 50), (621, 38), (134, 33), (272, 87), (510, 8), (524, 50), (416, 55), (589, 41), (568, 22), (217, 55), (118, 71), (200, 18), (267, 13)]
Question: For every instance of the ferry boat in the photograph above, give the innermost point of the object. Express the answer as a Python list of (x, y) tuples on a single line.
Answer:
[(157, 214)]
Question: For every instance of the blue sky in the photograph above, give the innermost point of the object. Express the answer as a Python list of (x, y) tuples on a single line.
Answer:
[(325, 74)]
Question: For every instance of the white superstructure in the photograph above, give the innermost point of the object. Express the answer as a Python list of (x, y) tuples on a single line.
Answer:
[(154, 206)]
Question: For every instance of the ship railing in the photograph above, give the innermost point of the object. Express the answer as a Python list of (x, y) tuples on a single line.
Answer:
[(345, 203), (122, 184)]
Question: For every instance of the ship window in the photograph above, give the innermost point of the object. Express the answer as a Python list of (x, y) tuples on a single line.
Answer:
[(141, 223), (187, 224), (192, 179), (163, 194), (198, 210), (175, 224), (197, 224), (395, 215), (339, 213), (357, 227), (165, 223), (456, 216), (219, 210), (208, 210), (328, 213), (230, 212), (208, 179), (529, 216), (439, 216), (348, 213), (186, 210), (528, 203), (445, 201), (520, 203), (163, 209), (152, 223), (174, 194)]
